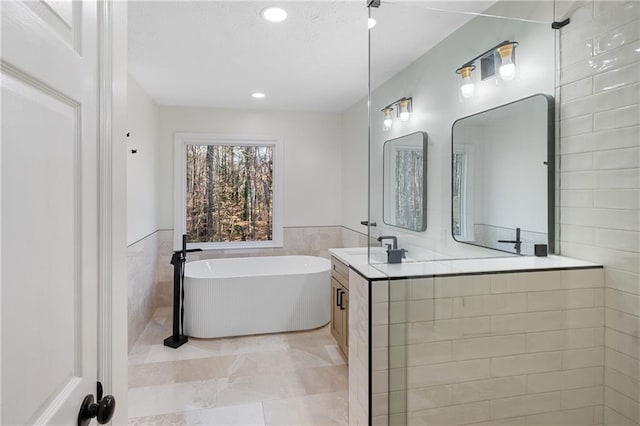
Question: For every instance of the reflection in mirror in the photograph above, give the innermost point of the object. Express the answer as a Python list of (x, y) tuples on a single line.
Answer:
[(404, 195), (503, 176)]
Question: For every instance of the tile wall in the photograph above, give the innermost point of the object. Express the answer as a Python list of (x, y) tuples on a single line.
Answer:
[(514, 348), (384, 385), (358, 350), (142, 261), (600, 177)]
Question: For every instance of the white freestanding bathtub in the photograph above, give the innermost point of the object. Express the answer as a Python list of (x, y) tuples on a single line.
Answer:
[(253, 295)]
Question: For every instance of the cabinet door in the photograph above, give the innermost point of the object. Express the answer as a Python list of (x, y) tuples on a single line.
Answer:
[(336, 313), (345, 322)]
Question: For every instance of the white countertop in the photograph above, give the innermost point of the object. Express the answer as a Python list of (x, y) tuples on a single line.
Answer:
[(357, 259)]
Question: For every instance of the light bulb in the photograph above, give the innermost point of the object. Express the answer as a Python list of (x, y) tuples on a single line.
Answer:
[(507, 67), (371, 23), (467, 88), (404, 110), (388, 121)]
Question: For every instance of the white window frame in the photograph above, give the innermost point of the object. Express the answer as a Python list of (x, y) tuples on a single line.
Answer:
[(181, 140)]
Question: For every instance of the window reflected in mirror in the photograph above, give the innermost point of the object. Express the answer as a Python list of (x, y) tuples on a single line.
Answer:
[(462, 185), (404, 189)]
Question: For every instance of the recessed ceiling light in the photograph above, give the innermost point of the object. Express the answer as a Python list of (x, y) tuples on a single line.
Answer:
[(274, 14), (258, 95), (371, 23)]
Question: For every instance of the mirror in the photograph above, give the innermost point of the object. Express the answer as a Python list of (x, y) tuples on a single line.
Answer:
[(503, 176), (404, 195)]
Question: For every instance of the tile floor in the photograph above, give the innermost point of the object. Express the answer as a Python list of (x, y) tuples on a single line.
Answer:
[(297, 378)]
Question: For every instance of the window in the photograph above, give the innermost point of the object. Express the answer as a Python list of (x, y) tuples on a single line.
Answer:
[(462, 192), (228, 192)]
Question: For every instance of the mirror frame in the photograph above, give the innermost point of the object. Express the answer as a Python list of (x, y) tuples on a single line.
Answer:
[(424, 183), (550, 163)]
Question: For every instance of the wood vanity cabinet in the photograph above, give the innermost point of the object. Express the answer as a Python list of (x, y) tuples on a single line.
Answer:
[(340, 304)]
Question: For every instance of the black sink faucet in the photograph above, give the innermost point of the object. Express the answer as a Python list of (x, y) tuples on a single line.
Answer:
[(517, 242), (390, 237)]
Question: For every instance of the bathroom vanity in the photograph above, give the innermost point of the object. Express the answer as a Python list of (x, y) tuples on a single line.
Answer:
[(474, 340), (340, 304)]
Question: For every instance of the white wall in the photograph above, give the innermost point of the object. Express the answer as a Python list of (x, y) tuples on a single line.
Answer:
[(432, 82), (312, 169), (355, 164), (142, 167), (512, 160)]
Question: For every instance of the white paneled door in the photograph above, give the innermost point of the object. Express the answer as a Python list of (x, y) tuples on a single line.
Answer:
[(49, 211)]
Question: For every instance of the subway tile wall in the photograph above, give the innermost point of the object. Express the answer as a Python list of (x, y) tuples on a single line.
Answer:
[(600, 177), (515, 348), (359, 350)]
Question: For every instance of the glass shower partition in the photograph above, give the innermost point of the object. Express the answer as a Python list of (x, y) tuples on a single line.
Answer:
[(439, 341)]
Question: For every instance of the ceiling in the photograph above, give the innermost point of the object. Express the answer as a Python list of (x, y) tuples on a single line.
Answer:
[(216, 53)]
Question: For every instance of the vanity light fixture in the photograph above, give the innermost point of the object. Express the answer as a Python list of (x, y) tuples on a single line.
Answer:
[(502, 54), (467, 87), (274, 14), (257, 95), (403, 107)]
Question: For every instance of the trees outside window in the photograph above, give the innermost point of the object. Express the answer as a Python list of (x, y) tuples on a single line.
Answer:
[(230, 192)]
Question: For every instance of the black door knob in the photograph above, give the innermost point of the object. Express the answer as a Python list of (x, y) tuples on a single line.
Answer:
[(102, 410)]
